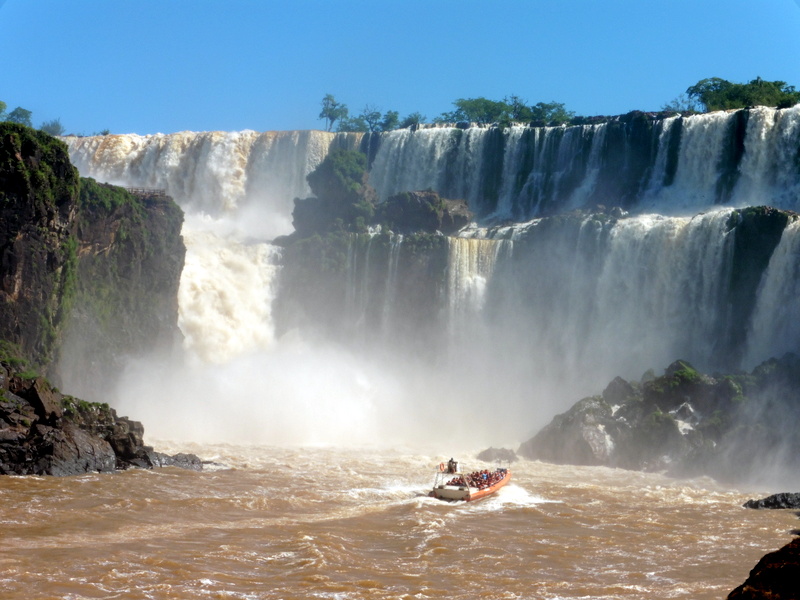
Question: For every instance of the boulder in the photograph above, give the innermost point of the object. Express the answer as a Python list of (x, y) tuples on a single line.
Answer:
[(581, 436), (782, 500), (43, 432), (423, 211), (498, 455), (775, 577), (69, 450)]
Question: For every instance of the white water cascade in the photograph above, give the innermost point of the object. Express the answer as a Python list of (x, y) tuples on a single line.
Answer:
[(215, 172), (775, 327), (675, 166), (537, 314)]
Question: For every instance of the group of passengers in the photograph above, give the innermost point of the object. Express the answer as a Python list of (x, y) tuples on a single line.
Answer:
[(478, 479)]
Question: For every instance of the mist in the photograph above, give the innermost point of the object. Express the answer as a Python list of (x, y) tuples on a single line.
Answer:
[(525, 319)]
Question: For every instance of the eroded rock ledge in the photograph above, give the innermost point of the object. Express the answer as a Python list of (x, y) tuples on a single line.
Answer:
[(43, 432)]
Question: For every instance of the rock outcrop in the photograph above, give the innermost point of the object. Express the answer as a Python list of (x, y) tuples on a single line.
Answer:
[(89, 275), (39, 191), (498, 455), (43, 432), (423, 211), (687, 423), (125, 304), (775, 577), (782, 500)]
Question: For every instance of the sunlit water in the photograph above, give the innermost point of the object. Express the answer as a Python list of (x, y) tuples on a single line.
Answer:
[(346, 524)]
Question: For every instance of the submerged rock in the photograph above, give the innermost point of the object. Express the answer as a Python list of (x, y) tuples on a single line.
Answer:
[(498, 455), (775, 577), (782, 500)]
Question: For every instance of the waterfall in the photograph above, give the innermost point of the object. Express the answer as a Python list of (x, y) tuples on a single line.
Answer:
[(225, 295), (219, 173), (775, 327), (470, 265), (533, 306), (672, 165)]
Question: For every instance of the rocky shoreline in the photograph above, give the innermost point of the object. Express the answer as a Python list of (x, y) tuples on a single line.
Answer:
[(44, 432), (777, 575)]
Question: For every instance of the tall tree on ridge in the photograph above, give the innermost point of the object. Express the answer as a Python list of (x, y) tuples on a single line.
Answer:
[(332, 111)]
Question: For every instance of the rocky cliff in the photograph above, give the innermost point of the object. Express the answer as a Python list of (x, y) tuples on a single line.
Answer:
[(87, 271), (88, 275), (733, 427), (130, 257), (39, 191)]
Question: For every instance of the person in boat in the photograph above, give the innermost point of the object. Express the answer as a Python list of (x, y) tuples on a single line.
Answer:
[(452, 466)]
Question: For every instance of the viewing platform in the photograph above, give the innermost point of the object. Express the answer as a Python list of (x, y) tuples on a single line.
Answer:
[(149, 192)]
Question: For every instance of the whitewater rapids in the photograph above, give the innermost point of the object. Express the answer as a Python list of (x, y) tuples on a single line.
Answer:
[(270, 523)]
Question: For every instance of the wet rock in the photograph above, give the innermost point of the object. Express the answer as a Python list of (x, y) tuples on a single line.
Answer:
[(43, 432), (685, 423), (782, 500), (578, 436), (504, 455), (775, 577), (423, 211), (69, 450)]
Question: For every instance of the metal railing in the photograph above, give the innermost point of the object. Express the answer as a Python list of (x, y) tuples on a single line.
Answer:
[(140, 191)]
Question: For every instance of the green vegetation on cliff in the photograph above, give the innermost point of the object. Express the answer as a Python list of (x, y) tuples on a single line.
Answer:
[(719, 94), (82, 258), (734, 426), (130, 259), (39, 188)]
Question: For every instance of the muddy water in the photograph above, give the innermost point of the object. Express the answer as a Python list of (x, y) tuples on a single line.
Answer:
[(322, 523)]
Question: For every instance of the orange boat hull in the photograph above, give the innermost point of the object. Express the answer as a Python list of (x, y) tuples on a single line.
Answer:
[(489, 490)]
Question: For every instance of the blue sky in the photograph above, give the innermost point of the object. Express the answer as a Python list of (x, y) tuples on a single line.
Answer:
[(147, 66)]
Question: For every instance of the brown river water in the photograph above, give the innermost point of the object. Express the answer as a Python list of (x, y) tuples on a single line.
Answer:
[(347, 524)]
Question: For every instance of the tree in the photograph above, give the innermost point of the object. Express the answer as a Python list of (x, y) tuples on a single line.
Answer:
[(475, 110), (680, 104), (53, 127), (413, 120), (356, 123), (2, 111), (551, 113), (517, 109), (390, 120), (372, 117), (715, 93), (21, 116), (332, 111)]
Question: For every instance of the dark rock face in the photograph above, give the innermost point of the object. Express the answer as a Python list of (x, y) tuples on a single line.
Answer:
[(88, 276), (88, 272), (43, 432), (579, 436), (498, 455), (775, 577), (411, 212), (317, 271), (130, 259), (783, 500), (731, 427), (38, 203)]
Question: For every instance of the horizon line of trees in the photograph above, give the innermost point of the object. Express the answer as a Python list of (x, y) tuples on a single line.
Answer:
[(707, 95), (23, 116), (470, 110)]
